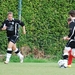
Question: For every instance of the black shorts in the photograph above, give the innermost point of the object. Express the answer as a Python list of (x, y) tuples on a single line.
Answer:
[(13, 38), (71, 44)]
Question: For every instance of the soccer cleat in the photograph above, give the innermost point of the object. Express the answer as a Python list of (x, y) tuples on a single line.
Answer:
[(69, 66), (6, 62), (21, 59)]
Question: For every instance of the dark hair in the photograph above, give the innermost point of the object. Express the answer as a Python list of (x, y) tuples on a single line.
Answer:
[(69, 19), (72, 13)]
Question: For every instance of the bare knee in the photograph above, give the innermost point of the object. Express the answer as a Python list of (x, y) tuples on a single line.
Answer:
[(10, 45), (66, 50), (14, 47)]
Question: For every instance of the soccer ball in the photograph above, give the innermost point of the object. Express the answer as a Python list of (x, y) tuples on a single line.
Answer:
[(61, 63)]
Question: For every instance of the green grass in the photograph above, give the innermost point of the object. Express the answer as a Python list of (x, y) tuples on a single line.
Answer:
[(35, 69), (28, 59)]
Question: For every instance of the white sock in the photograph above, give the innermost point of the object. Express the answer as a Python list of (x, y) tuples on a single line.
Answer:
[(18, 53), (8, 57), (65, 62)]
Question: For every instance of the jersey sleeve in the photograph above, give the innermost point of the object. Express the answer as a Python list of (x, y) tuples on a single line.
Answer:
[(3, 24), (70, 33), (71, 30), (20, 23)]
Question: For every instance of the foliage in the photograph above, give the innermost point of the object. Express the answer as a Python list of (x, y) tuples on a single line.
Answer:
[(14, 58), (45, 21)]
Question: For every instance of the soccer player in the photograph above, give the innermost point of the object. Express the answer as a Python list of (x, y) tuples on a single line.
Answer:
[(71, 37), (70, 56), (11, 26)]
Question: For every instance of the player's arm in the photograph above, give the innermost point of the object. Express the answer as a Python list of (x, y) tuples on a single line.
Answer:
[(3, 27), (68, 37), (23, 26), (70, 33), (24, 30)]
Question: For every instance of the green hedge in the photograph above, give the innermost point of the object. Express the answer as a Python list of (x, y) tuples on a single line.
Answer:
[(45, 21)]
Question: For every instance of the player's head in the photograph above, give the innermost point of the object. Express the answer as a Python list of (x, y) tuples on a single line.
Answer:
[(10, 15), (69, 20), (72, 13)]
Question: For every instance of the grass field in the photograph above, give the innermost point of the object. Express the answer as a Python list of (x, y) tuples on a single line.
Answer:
[(35, 69)]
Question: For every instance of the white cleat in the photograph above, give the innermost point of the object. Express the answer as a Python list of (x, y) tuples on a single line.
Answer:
[(21, 59), (6, 62)]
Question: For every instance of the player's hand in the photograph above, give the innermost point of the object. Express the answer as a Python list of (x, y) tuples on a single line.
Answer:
[(24, 32), (4, 28), (66, 38)]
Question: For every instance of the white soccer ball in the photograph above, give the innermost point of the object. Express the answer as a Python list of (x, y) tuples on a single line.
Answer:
[(61, 63)]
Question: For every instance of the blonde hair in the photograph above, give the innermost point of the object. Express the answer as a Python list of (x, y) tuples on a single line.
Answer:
[(10, 13)]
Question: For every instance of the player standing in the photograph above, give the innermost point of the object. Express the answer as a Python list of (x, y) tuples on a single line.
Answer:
[(11, 26)]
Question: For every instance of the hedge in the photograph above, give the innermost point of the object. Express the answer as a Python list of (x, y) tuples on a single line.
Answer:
[(45, 21)]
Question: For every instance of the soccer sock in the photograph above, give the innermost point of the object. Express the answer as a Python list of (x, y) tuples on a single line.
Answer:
[(18, 53), (65, 57), (70, 59), (8, 55)]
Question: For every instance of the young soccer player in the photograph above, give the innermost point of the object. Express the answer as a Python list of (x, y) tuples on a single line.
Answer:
[(70, 56), (11, 26), (71, 37)]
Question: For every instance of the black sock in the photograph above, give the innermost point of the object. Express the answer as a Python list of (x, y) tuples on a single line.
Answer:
[(65, 57)]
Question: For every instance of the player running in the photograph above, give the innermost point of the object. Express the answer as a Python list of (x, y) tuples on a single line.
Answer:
[(71, 37), (11, 26)]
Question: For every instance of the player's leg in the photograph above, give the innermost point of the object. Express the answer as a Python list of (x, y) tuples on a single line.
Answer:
[(70, 57), (9, 49), (65, 56), (9, 52), (73, 52), (17, 51), (72, 46)]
